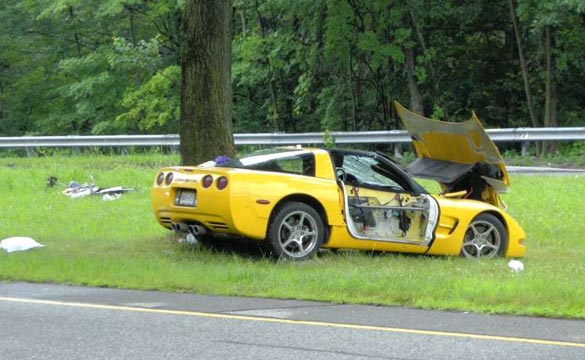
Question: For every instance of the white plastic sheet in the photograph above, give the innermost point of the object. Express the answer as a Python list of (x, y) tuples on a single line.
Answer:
[(516, 265), (19, 243)]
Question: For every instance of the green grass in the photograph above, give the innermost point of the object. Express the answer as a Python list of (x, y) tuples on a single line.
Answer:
[(119, 244)]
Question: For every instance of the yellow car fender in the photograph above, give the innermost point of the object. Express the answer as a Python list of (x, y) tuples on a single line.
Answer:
[(455, 218)]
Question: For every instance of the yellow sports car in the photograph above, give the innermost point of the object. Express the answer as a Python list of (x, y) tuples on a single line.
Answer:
[(298, 200)]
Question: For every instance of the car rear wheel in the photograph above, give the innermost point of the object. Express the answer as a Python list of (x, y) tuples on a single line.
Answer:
[(296, 231), (486, 237)]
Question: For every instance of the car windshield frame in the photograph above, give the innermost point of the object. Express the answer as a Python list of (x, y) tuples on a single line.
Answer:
[(273, 159), (385, 167), (371, 172)]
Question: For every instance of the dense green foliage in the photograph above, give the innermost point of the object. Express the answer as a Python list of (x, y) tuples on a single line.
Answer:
[(112, 66)]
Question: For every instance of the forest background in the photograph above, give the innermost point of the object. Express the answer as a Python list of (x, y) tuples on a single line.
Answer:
[(113, 66)]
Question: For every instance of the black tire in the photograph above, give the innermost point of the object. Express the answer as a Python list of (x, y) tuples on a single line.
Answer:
[(486, 237), (295, 232)]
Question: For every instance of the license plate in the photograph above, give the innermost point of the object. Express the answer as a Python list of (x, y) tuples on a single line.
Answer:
[(186, 197)]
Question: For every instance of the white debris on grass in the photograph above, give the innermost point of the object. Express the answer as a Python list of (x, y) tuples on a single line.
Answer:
[(110, 197), (191, 239), (516, 265), (19, 243), (76, 190)]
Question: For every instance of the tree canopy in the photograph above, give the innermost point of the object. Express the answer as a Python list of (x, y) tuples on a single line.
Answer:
[(113, 66)]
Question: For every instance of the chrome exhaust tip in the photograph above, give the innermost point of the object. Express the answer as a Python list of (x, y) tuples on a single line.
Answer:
[(179, 227), (196, 230)]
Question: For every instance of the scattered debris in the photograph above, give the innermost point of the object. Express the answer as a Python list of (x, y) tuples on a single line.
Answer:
[(112, 196), (51, 181), (112, 193), (516, 265), (77, 190), (19, 243), (191, 239), (220, 160)]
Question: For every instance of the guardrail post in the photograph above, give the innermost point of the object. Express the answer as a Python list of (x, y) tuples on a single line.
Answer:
[(30, 152), (398, 150), (525, 147)]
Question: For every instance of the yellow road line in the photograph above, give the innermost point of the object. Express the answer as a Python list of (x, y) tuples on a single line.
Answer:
[(297, 322)]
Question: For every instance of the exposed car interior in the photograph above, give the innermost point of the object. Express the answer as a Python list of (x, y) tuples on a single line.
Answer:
[(378, 203)]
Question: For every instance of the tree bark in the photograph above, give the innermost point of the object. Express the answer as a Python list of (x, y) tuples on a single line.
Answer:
[(75, 33), (523, 64), (132, 25), (550, 112), (274, 109), (354, 95), (434, 81), (2, 101), (416, 103), (206, 93), (242, 14)]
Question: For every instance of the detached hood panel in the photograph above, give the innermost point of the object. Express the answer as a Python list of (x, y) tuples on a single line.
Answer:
[(446, 150), (465, 142)]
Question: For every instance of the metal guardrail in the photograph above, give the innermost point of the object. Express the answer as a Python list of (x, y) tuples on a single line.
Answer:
[(523, 135), (88, 141)]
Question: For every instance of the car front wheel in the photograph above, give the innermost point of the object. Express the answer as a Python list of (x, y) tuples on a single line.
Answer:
[(296, 231), (485, 237)]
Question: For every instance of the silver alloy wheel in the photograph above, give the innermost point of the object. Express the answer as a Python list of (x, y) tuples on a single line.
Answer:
[(482, 240), (298, 234)]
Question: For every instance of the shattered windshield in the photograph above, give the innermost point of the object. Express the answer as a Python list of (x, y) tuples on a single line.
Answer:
[(368, 170)]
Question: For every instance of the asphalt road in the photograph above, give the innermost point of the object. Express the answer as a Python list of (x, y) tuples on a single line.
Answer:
[(39, 321)]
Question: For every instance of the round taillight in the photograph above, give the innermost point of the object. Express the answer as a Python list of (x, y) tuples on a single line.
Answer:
[(169, 178), (207, 181), (222, 182), (160, 178)]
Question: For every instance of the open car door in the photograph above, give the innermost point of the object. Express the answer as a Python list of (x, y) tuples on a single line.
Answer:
[(460, 156), (381, 203)]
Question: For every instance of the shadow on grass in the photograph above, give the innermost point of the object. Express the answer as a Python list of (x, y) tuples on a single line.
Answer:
[(260, 251), (247, 249)]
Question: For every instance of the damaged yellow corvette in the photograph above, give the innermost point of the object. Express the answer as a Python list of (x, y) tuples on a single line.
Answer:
[(298, 200)]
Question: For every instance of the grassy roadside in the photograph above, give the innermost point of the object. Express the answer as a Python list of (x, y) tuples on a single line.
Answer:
[(118, 244)]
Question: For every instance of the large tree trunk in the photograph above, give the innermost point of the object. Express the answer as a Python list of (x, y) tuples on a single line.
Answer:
[(206, 92)]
